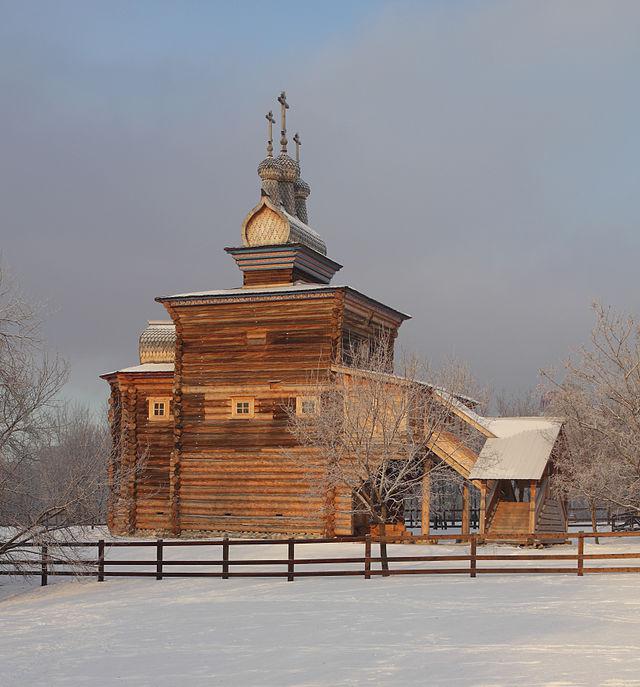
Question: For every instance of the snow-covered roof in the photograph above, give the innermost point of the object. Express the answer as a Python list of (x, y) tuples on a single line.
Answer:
[(508, 426), (241, 291), (462, 408), (267, 290), (520, 450), (144, 368)]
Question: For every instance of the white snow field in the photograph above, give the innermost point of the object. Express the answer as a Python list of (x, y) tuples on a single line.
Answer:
[(495, 630)]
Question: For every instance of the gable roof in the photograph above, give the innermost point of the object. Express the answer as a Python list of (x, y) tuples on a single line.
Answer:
[(520, 450)]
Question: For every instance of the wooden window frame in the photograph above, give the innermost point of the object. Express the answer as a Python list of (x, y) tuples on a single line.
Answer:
[(301, 400), (242, 399), (165, 417)]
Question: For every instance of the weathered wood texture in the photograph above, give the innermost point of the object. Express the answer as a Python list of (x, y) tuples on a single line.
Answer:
[(139, 470), (273, 277), (509, 516), (238, 474), (205, 469)]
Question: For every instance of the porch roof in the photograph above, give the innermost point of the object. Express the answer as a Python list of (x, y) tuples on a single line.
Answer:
[(520, 450)]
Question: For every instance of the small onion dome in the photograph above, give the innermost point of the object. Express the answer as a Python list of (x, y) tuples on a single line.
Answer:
[(269, 169), (301, 188), (158, 342), (289, 167)]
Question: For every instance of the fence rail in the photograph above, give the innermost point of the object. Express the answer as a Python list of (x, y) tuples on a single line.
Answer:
[(41, 560), (443, 518)]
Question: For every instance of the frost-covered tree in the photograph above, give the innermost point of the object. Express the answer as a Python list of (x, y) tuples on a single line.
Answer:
[(53, 459), (599, 398), (370, 430)]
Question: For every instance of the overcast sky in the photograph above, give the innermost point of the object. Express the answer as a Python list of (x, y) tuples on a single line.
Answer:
[(472, 163)]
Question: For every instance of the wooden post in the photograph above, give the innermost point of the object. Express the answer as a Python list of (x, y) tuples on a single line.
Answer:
[(159, 559), (465, 509), (367, 556), (533, 491), (580, 553), (482, 524), (426, 498), (291, 558), (473, 552), (44, 576), (225, 558), (101, 560)]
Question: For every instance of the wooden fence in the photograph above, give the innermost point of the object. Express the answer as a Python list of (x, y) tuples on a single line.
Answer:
[(444, 518), (44, 563)]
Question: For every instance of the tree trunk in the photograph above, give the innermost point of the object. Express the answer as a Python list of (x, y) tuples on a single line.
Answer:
[(594, 521), (384, 559)]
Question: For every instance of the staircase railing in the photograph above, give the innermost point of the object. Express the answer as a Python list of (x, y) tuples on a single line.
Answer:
[(542, 494), (492, 498)]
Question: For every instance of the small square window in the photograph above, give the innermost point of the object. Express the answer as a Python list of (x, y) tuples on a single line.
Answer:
[(242, 407), (306, 405), (159, 408)]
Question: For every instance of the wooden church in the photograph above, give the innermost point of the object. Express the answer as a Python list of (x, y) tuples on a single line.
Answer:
[(203, 413)]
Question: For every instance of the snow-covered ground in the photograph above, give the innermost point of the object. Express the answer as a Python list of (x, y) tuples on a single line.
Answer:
[(407, 630)]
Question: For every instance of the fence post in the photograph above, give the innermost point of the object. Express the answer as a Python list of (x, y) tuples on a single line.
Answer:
[(43, 579), (473, 552), (159, 559), (367, 556), (291, 558), (101, 560), (580, 553), (225, 558)]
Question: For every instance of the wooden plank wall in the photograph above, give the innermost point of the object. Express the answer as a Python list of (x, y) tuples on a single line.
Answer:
[(206, 470), (143, 449), (155, 442), (233, 474)]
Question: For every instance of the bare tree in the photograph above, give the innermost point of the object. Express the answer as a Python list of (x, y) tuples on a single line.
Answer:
[(599, 396), (53, 459), (370, 432), (528, 403)]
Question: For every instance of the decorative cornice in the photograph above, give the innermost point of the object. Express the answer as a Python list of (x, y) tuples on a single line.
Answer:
[(252, 298)]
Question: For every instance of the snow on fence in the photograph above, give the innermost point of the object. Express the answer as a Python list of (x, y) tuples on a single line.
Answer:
[(44, 563)]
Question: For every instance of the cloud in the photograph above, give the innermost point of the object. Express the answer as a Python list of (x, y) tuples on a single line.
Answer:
[(474, 164)]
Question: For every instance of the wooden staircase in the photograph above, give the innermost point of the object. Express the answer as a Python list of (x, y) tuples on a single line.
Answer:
[(453, 451), (509, 517)]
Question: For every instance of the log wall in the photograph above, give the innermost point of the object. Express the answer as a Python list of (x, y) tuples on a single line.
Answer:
[(244, 473), (208, 470), (139, 471)]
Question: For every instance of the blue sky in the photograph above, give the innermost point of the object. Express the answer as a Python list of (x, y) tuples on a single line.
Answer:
[(472, 163)]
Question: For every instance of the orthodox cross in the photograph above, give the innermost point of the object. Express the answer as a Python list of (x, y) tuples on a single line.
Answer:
[(298, 143), (284, 106), (272, 120)]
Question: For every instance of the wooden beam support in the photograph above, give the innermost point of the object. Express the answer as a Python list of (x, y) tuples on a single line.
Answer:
[(466, 509), (426, 498), (533, 491), (482, 524)]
